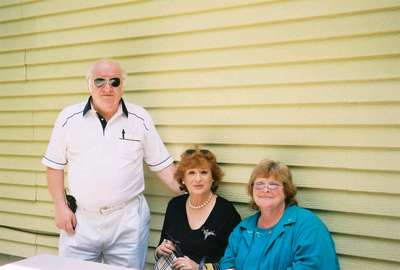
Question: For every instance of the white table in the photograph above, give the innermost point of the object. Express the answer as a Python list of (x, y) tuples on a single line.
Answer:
[(51, 262)]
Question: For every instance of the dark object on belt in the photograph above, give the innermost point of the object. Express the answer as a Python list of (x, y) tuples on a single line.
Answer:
[(71, 202)]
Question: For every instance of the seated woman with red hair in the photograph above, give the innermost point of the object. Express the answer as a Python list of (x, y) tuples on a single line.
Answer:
[(197, 224)]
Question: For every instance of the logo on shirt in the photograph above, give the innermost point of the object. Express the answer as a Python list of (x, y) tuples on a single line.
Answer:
[(124, 138), (207, 233)]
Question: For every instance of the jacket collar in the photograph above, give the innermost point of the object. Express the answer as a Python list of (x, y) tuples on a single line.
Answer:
[(249, 226)]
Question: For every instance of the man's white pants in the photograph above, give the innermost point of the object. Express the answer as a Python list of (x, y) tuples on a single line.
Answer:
[(118, 237)]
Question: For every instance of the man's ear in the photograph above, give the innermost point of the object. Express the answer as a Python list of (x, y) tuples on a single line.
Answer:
[(88, 86)]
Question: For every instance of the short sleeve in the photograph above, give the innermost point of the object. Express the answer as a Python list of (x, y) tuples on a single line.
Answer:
[(156, 154), (55, 156)]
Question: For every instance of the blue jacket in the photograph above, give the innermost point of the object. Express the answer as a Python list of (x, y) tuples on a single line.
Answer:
[(299, 241)]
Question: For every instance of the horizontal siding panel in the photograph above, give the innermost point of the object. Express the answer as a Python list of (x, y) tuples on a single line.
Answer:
[(46, 250), (349, 92), (43, 87), (361, 225), (17, 133), (27, 241), (351, 180), (43, 194), (154, 237), (155, 186), (47, 241), (356, 263), (156, 221), (355, 202), (150, 257), (36, 9), (307, 157), (38, 103), (10, 10), (157, 204), (17, 249), (7, 234), (26, 207), (312, 51), (357, 114), (15, 3), (28, 222), (367, 247), (12, 59), (108, 12), (23, 148), (17, 178), (11, 119), (376, 22), (24, 178), (20, 163), (42, 133), (330, 71), (78, 15), (284, 135), (12, 74), (25, 193), (41, 178)]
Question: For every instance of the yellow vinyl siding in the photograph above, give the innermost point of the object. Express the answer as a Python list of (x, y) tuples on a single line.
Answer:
[(311, 83)]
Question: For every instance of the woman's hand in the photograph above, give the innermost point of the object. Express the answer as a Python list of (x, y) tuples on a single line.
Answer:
[(165, 248), (184, 263)]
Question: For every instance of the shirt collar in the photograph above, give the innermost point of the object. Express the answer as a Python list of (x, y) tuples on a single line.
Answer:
[(88, 107)]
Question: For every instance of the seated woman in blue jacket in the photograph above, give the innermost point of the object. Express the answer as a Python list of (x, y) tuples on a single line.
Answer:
[(281, 235)]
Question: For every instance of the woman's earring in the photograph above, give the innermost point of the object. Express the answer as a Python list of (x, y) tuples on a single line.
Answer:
[(183, 182)]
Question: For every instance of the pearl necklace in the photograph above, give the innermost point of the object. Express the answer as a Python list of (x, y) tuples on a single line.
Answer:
[(200, 205)]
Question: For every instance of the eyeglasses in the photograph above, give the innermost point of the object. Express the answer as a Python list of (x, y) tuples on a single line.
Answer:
[(101, 82), (261, 185), (192, 151)]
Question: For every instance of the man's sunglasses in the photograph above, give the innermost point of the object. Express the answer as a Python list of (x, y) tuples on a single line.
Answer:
[(101, 82)]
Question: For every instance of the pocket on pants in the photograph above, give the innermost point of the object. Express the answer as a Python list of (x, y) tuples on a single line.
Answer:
[(144, 212)]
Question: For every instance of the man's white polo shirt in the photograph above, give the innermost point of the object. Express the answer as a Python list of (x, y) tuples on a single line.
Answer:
[(105, 167)]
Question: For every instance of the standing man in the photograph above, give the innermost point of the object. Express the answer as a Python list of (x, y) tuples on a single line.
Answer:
[(104, 142)]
